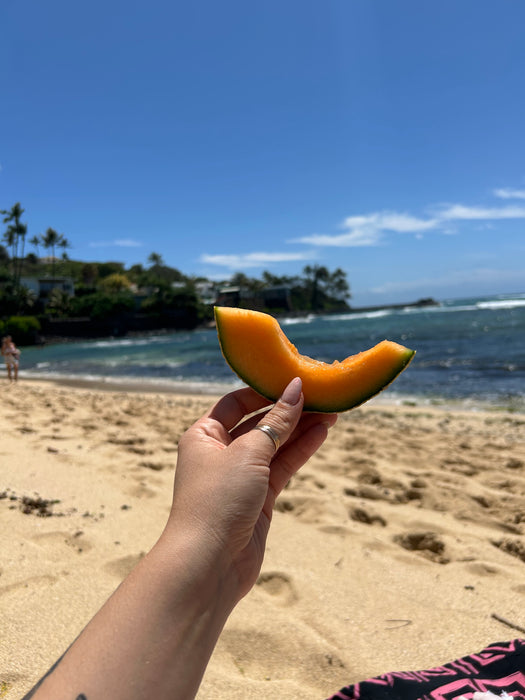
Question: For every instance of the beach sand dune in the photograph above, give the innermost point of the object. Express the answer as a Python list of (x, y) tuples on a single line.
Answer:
[(399, 546)]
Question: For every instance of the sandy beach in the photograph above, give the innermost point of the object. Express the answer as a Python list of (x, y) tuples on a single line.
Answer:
[(399, 546)]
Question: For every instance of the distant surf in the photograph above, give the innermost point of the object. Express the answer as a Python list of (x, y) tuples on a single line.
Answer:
[(468, 350)]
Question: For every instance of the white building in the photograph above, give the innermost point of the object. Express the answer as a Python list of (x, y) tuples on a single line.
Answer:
[(43, 286)]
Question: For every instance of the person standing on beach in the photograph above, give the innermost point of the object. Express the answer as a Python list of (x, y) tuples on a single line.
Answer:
[(11, 355)]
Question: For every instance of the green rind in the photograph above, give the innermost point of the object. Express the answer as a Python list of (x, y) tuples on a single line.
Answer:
[(347, 406), (335, 407)]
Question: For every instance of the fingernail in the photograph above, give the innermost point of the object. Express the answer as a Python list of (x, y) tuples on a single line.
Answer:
[(292, 393)]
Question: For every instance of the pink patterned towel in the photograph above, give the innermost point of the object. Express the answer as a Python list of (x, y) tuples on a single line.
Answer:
[(497, 671)]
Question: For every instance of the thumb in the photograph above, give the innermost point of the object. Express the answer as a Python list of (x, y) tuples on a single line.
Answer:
[(274, 429)]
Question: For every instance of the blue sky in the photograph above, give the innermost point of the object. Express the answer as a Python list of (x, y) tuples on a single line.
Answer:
[(385, 137)]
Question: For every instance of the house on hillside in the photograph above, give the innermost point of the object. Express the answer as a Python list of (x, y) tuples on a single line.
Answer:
[(43, 286), (228, 296), (277, 298), (270, 298)]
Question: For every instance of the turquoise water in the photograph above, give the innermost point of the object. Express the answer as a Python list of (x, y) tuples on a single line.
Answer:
[(467, 350)]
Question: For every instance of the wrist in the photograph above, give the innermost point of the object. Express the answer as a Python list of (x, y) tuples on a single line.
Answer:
[(194, 571)]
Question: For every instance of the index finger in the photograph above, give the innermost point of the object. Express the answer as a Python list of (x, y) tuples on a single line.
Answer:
[(233, 407)]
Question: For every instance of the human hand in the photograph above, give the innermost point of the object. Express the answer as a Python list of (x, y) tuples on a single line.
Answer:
[(155, 635), (229, 476)]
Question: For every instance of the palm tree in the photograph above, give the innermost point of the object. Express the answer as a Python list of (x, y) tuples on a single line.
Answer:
[(316, 275), (337, 286), (64, 244), (155, 259), (58, 302), (11, 236), (10, 240), (326, 289), (14, 236), (35, 242), (22, 231), (51, 239)]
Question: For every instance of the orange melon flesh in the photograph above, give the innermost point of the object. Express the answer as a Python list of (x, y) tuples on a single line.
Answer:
[(258, 351)]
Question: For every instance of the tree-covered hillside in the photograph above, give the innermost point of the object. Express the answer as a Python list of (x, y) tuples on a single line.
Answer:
[(38, 279)]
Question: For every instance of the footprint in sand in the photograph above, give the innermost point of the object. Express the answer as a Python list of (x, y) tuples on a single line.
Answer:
[(139, 450), (31, 581), (334, 530), (371, 475), (304, 508), (513, 547), (123, 566), (126, 441), (26, 429), (155, 466), (308, 480), (362, 515), (429, 544), (271, 657), (75, 540), (480, 568), (79, 542), (279, 586), (141, 490)]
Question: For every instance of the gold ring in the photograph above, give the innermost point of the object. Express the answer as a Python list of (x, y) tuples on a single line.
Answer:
[(268, 430)]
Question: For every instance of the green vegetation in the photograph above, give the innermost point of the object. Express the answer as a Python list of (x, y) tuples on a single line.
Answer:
[(57, 296), (24, 328)]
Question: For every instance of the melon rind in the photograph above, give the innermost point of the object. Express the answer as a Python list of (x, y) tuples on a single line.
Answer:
[(258, 351)]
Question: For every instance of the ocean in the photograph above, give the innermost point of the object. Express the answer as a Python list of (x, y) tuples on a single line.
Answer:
[(468, 352)]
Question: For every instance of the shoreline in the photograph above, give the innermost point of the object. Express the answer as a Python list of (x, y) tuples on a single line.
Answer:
[(384, 399), (131, 386)]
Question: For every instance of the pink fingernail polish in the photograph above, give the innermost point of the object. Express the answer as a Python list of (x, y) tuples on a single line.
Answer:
[(292, 393)]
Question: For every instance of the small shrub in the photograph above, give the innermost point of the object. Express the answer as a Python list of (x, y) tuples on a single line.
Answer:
[(24, 329)]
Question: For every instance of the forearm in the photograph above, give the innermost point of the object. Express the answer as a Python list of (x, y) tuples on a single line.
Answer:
[(154, 636)]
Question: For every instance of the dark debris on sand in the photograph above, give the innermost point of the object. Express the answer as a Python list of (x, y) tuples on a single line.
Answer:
[(32, 505)]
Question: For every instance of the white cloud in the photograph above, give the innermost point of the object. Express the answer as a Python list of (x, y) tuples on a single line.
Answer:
[(460, 211), (368, 229), (390, 221), (508, 193), (127, 243), (118, 243), (355, 238), (259, 259)]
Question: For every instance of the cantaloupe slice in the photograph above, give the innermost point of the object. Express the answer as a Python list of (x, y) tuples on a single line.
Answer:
[(258, 351)]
